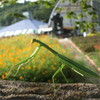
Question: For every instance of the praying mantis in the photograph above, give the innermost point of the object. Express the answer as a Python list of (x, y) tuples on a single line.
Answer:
[(78, 68)]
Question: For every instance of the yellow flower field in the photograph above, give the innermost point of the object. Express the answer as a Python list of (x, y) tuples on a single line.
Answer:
[(41, 68)]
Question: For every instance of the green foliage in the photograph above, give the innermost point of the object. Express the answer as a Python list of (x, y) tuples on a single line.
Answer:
[(95, 56), (6, 2), (71, 14), (86, 10), (94, 34), (10, 14)]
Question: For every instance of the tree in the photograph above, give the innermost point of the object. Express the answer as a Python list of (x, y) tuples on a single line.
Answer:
[(12, 12), (86, 10), (7, 2)]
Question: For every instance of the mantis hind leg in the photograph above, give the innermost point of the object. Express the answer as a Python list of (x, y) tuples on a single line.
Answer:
[(62, 66), (59, 70), (54, 81)]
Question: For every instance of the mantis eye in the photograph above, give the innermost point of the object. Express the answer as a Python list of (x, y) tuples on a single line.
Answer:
[(33, 40)]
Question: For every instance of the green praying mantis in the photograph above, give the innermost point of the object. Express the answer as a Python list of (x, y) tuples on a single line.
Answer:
[(78, 68)]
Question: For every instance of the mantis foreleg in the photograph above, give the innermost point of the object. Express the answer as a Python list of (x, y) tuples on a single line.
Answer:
[(24, 61), (22, 65)]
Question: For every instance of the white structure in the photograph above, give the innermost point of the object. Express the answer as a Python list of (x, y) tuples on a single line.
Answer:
[(26, 26)]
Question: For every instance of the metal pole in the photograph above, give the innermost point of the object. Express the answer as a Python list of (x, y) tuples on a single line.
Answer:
[(53, 12)]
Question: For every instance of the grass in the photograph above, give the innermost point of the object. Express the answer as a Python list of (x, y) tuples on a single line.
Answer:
[(89, 45), (42, 68), (95, 56)]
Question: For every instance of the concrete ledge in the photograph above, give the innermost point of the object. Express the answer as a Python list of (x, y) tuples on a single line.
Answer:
[(11, 90)]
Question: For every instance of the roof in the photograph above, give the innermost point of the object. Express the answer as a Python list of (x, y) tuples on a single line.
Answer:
[(22, 27)]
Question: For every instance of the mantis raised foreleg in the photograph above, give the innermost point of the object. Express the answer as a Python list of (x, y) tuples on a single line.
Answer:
[(21, 63)]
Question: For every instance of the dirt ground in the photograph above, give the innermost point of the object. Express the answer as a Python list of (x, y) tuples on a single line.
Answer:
[(16, 90)]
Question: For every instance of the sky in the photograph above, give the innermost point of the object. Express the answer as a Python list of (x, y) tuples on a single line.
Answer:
[(22, 1)]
